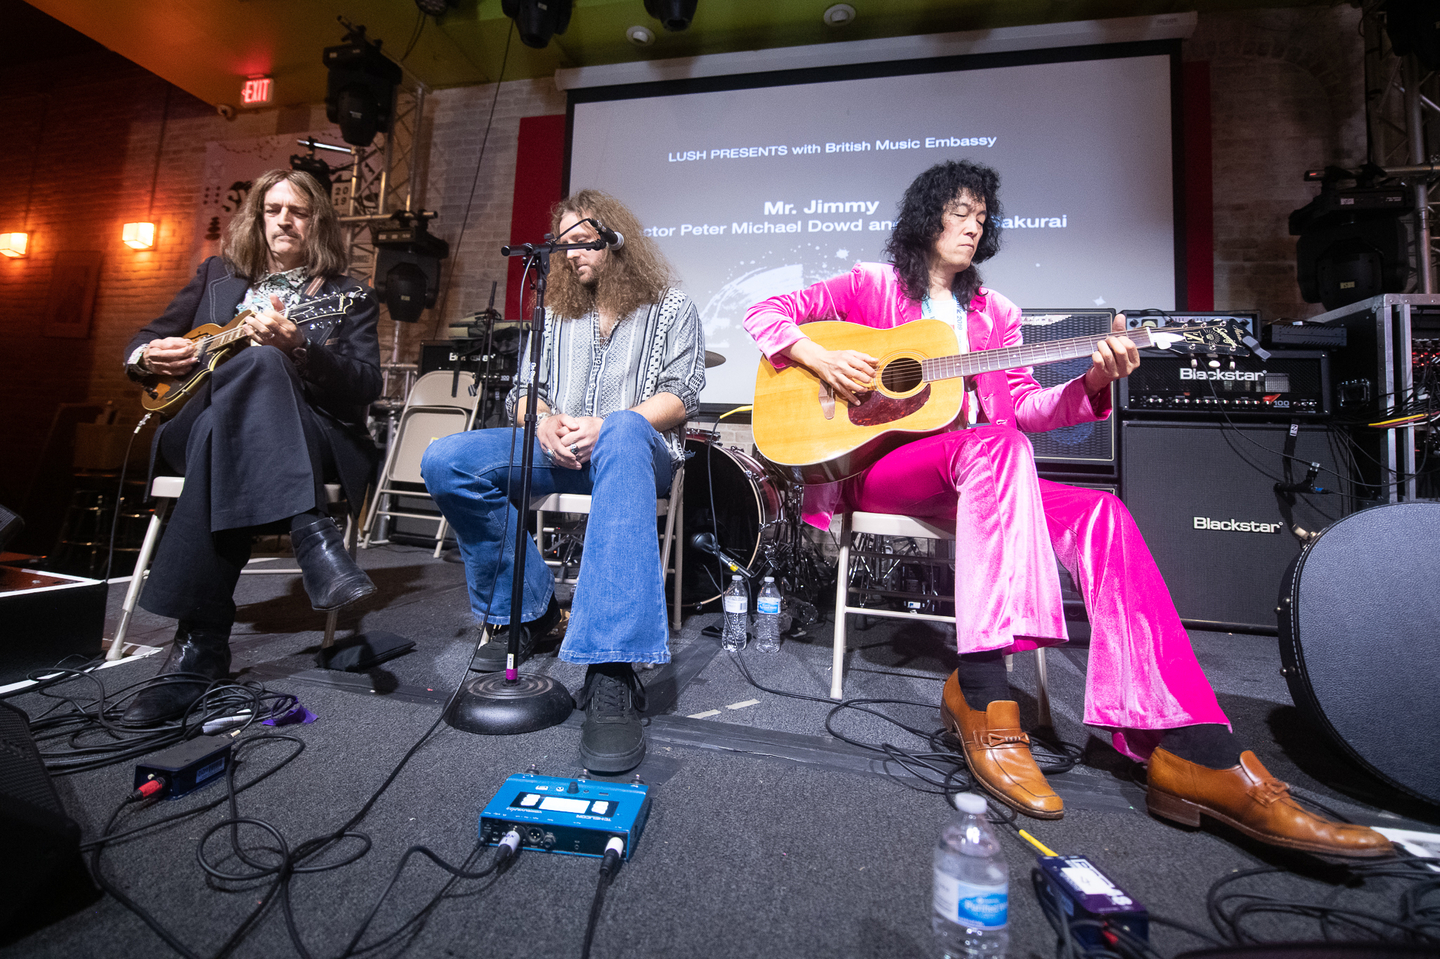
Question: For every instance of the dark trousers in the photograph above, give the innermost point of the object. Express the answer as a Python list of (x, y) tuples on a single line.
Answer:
[(254, 454)]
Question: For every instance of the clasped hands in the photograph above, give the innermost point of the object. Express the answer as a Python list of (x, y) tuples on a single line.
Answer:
[(569, 441), (850, 372), (175, 355)]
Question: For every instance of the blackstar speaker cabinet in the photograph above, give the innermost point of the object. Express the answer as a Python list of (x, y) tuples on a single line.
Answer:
[(1086, 447), (1203, 495)]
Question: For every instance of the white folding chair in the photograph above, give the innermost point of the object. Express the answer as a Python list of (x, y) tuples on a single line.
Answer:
[(888, 524), (671, 507), (431, 411), (167, 490)]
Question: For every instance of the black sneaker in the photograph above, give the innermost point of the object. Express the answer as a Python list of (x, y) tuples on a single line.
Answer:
[(490, 658), (611, 738)]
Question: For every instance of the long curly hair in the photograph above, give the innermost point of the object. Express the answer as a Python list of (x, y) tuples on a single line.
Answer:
[(635, 275), (246, 249), (921, 220)]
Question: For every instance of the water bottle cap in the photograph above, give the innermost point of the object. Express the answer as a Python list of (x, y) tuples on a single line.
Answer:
[(970, 802), (735, 578), (769, 579)]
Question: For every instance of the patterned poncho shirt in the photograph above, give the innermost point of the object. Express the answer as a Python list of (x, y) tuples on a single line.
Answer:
[(659, 348)]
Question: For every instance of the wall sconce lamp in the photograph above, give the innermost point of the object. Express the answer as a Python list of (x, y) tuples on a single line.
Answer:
[(13, 244), (139, 236)]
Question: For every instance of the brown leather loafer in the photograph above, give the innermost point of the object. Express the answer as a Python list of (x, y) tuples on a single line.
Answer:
[(998, 753), (1247, 798)]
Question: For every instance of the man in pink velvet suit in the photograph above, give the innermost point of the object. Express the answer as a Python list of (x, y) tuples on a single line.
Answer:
[(1144, 684)]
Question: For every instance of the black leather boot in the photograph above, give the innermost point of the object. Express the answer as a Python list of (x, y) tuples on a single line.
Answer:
[(201, 652), (331, 577)]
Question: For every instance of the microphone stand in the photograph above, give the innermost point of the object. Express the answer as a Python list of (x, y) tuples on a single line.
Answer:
[(503, 704)]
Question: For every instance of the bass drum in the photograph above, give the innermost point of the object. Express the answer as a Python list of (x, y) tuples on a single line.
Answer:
[(729, 494)]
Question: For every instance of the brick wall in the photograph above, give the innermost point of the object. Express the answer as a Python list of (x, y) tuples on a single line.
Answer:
[(90, 129), (1287, 94)]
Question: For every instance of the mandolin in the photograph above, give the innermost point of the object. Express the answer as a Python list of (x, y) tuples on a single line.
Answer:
[(317, 319), (920, 384)]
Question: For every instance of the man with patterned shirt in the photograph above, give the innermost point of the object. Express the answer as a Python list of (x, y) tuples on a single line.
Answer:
[(269, 428), (621, 368)]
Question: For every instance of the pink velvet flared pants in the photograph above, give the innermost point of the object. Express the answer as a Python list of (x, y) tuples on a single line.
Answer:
[(1010, 527)]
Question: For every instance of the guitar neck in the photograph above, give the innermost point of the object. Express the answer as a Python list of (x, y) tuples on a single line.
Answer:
[(1014, 357)]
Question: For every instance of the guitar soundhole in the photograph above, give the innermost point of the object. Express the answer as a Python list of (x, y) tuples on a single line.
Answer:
[(901, 376)]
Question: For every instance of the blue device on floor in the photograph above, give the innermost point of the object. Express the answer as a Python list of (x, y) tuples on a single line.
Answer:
[(574, 816), (1082, 891)]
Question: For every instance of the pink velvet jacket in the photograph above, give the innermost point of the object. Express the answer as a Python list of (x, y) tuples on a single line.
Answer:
[(871, 294)]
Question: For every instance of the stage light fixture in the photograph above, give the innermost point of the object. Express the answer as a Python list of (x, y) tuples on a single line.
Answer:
[(360, 89), (538, 20), (407, 264), (14, 244), (1414, 29), (436, 8), (139, 236), (1353, 241), (674, 15), (317, 168)]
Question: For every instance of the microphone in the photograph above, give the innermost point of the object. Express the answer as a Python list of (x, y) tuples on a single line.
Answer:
[(612, 239), (1307, 485), (705, 543)]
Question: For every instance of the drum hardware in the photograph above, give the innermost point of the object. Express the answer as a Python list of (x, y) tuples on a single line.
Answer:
[(896, 573), (735, 499)]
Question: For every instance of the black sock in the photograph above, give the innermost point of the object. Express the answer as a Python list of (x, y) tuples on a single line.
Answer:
[(982, 678), (305, 519), (1208, 745)]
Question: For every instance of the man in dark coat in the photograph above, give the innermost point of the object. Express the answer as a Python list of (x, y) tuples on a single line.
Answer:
[(259, 440)]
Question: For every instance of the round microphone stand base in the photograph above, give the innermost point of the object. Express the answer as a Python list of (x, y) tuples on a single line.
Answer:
[(490, 706)]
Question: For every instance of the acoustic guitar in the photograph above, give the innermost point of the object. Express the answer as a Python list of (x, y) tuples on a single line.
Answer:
[(317, 319), (918, 390)]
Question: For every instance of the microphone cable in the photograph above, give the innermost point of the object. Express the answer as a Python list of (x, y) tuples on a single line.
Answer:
[(609, 866)]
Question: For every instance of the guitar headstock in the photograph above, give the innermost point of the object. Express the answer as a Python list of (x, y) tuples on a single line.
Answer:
[(1211, 338)]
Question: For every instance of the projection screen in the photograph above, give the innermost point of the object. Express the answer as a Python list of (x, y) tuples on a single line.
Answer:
[(757, 190)]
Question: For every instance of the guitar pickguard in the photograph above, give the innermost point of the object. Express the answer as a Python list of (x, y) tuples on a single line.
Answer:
[(875, 408)]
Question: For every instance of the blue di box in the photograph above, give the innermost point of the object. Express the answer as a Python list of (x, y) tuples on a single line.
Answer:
[(573, 816)]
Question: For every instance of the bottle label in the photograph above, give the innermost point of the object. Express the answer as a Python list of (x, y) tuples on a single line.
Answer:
[(769, 604), (966, 904), (736, 604)]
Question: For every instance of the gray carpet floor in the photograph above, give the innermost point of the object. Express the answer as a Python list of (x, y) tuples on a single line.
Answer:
[(768, 837)]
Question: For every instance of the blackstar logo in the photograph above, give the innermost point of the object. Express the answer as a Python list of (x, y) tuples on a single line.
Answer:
[(1239, 376), (1235, 525)]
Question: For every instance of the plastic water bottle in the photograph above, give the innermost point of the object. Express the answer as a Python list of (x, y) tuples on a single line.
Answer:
[(737, 614), (767, 618), (970, 906)]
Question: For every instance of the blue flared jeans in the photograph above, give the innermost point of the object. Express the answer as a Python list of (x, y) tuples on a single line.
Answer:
[(618, 611)]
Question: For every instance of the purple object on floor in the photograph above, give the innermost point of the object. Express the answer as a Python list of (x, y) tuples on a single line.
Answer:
[(299, 714)]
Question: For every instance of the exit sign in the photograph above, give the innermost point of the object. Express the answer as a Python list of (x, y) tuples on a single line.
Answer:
[(257, 90)]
